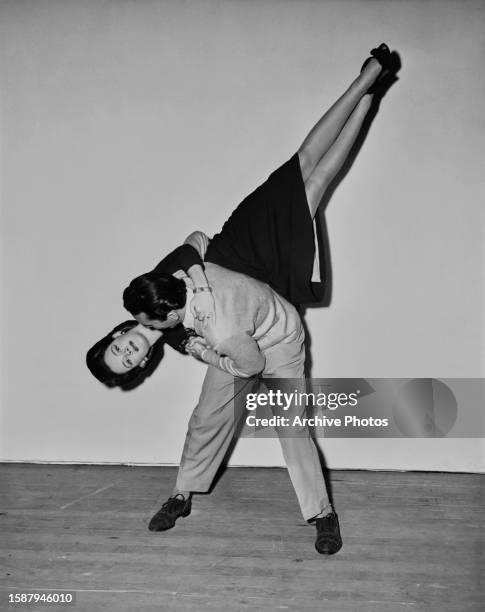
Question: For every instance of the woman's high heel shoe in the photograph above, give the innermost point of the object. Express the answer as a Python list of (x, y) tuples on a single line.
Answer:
[(382, 54), (390, 64)]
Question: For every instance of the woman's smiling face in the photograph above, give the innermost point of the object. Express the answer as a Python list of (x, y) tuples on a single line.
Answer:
[(126, 351)]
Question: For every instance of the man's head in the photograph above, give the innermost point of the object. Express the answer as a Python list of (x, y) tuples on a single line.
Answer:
[(156, 300)]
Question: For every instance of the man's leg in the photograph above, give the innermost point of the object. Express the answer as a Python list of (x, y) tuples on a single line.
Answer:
[(285, 362), (301, 457), (210, 431)]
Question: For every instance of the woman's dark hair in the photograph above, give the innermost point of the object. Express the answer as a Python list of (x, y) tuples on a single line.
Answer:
[(155, 294), (176, 337)]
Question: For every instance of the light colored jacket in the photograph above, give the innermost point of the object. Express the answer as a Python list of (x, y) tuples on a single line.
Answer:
[(250, 319)]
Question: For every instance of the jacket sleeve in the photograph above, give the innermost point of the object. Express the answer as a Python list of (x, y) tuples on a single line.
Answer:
[(238, 355)]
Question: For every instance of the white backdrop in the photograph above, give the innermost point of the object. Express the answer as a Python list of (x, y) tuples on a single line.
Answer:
[(126, 125)]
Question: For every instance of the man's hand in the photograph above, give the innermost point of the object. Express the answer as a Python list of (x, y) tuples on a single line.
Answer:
[(202, 306)]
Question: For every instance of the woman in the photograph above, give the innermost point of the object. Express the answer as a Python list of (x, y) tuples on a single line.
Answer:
[(272, 235), (130, 351)]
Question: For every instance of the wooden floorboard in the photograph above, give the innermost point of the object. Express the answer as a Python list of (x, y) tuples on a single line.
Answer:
[(412, 542)]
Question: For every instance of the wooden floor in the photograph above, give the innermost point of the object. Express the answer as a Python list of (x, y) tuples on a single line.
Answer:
[(412, 542)]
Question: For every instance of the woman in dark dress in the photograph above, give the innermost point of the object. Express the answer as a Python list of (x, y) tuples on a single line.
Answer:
[(271, 235)]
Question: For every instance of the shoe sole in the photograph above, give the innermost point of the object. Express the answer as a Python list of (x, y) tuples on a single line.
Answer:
[(325, 550)]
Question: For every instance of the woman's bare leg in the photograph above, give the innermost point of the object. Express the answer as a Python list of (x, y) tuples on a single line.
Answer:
[(324, 133), (333, 160)]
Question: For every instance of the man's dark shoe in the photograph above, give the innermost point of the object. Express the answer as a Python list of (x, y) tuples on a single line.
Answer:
[(328, 540), (170, 511)]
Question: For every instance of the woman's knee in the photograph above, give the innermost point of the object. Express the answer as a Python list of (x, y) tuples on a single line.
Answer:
[(307, 163), (315, 187)]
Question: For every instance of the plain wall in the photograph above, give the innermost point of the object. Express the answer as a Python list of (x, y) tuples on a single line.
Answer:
[(126, 125)]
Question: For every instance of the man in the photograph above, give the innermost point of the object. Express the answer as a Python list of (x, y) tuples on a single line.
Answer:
[(256, 333)]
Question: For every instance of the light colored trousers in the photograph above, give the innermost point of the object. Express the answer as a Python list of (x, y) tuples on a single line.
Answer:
[(214, 421)]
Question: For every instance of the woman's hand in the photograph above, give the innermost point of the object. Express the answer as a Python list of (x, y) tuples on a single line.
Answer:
[(202, 306), (196, 346)]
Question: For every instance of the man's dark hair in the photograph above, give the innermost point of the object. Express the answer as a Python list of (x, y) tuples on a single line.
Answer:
[(155, 294)]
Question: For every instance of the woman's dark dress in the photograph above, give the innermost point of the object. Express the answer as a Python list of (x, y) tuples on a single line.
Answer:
[(270, 237)]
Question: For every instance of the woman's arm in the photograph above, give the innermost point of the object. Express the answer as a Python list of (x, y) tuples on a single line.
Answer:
[(177, 337), (187, 260), (199, 241), (202, 305), (190, 254)]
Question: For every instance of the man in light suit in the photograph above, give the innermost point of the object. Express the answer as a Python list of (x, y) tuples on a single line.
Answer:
[(256, 333)]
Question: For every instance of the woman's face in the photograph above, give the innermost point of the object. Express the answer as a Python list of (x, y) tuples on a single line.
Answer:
[(126, 351)]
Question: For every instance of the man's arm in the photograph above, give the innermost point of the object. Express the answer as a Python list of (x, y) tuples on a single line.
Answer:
[(238, 355)]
